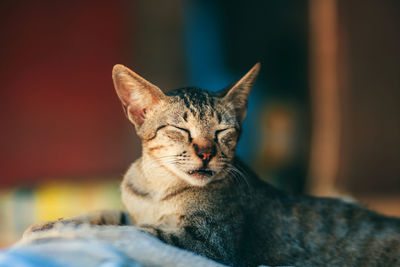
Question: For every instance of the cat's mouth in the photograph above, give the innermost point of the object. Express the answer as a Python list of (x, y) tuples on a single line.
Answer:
[(201, 173)]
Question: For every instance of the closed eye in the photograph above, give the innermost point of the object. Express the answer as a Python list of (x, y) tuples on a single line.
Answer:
[(227, 136), (185, 130), (217, 132)]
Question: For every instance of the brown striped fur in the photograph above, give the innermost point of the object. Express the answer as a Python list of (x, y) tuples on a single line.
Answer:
[(190, 190)]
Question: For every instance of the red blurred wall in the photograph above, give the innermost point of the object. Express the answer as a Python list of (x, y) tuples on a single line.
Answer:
[(59, 113)]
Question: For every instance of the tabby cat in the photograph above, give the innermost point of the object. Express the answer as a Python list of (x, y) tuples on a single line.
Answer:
[(190, 190)]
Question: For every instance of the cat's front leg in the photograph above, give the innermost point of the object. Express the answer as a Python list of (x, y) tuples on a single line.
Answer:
[(158, 231), (203, 242), (106, 217)]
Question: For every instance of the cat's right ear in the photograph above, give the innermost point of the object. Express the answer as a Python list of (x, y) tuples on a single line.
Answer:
[(138, 96), (239, 92)]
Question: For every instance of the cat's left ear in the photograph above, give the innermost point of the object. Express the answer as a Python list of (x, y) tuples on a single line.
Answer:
[(239, 92)]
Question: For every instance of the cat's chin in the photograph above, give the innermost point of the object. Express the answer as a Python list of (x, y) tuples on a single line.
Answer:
[(201, 173), (198, 177)]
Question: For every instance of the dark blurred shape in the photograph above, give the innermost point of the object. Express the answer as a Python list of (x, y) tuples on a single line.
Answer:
[(158, 50), (370, 97)]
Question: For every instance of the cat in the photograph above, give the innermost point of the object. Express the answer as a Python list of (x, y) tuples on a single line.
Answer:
[(190, 190)]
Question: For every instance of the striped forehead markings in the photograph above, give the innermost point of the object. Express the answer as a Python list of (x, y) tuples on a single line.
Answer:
[(198, 101)]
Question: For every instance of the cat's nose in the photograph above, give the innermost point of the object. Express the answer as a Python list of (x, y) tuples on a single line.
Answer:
[(205, 153)]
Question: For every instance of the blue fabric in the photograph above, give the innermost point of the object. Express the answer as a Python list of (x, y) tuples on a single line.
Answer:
[(23, 258), (63, 253), (104, 246)]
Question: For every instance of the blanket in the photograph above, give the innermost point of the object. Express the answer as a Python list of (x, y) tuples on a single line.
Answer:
[(105, 246)]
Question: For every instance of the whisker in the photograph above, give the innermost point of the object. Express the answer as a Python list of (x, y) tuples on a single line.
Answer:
[(237, 174)]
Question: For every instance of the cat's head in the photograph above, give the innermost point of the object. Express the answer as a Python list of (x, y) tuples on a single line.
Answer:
[(189, 132)]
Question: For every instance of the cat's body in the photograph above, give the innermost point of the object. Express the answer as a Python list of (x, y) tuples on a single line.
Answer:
[(251, 223), (189, 189)]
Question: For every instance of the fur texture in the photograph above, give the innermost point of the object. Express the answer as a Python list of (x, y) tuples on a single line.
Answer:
[(190, 190)]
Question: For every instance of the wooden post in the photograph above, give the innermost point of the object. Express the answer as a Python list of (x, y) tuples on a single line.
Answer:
[(325, 139)]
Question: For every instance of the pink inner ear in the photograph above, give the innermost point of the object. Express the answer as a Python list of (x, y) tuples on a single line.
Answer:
[(142, 114), (138, 115)]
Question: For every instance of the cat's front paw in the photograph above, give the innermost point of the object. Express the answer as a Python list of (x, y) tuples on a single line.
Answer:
[(46, 226), (147, 228), (162, 234), (155, 231), (40, 227)]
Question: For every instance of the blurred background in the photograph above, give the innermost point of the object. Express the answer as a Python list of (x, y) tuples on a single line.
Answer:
[(324, 116)]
